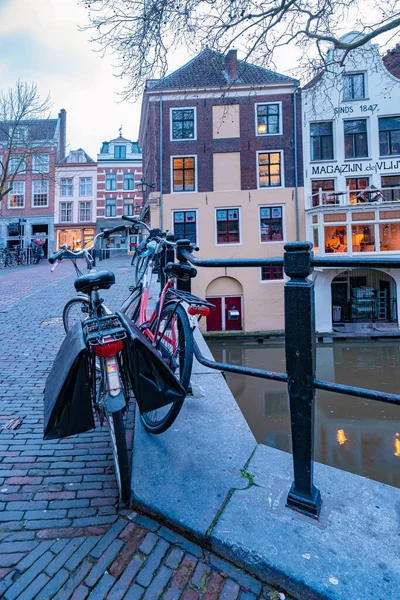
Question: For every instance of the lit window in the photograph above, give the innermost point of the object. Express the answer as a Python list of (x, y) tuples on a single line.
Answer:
[(353, 86), (355, 139), (391, 188), (269, 169), (66, 187), (40, 193), (321, 141), (335, 239), (228, 226), (389, 136), (41, 163), (85, 186), (271, 273), (267, 119), (85, 211), (120, 152), (356, 185), (111, 181), (183, 124), (389, 235), (326, 186), (362, 238), (129, 181), (185, 225), (16, 198), (183, 174), (65, 212), (111, 207), (271, 223)]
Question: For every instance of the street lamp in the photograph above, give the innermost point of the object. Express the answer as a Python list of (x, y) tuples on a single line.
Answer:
[(143, 186)]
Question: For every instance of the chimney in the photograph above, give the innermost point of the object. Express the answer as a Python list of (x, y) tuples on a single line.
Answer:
[(231, 64), (62, 148)]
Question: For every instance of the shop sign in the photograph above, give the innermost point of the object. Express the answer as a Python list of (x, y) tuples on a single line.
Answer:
[(349, 109), (360, 167)]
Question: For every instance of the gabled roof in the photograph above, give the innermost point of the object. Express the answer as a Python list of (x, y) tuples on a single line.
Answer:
[(40, 130), (208, 69)]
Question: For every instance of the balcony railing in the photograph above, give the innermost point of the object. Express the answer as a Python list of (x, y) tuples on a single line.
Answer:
[(353, 197)]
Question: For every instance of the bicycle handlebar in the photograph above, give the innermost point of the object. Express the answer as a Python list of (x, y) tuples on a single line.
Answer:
[(107, 232), (56, 256), (136, 222)]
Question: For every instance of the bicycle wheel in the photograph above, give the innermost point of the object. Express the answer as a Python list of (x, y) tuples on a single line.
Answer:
[(175, 344), (115, 422), (140, 267), (75, 311)]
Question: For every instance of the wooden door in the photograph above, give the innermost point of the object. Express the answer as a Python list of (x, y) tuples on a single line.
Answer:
[(233, 303), (214, 319)]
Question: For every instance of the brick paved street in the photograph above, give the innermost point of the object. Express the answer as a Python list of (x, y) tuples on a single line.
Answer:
[(62, 534)]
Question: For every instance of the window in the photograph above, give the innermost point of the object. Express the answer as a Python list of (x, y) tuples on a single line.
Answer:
[(41, 163), (389, 136), (129, 209), (111, 181), (40, 193), (16, 198), (85, 186), (355, 185), (326, 185), (353, 86), (17, 164), (65, 212), (267, 119), (85, 211), (271, 273), (363, 238), (269, 169), (389, 235), (271, 223), (66, 187), (182, 124), (335, 239), (183, 174), (129, 181), (392, 194), (355, 139), (111, 207), (119, 151), (321, 141), (19, 135), (77, 157), (228, 226), (185, 225)]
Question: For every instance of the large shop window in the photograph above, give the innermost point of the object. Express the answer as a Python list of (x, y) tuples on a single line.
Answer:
[(363, 237), (356, 185), (185, 225), (353, 86), (389, 235), (183, 123), (335, 238), (66, 187), (267, 119), (183, 174), (40, 190), (326, 186), (389, 136), (228, 226), (321, 140), (271, 223), (391, 188), (355, 139), (269, 169), (111, 182), (271, 273), (65, 212), (16, 198), (111, 207)]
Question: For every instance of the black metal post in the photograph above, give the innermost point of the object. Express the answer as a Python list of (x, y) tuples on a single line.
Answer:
[(300, 366), (181, 246)]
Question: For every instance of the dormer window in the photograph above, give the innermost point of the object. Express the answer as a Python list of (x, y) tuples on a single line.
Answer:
[(120, 151), (19, 135), (77, 157)]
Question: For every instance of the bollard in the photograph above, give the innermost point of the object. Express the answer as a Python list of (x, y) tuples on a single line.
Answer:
[(300, 366)]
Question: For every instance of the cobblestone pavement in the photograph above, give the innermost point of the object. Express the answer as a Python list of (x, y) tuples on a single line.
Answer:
[(62, 534)]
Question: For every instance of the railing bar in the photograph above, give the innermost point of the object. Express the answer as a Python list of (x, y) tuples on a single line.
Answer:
[(232, 262), (235, 369), (358, 392)]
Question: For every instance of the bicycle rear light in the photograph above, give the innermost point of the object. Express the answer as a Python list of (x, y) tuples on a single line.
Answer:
[(109, 347), (204, 311)]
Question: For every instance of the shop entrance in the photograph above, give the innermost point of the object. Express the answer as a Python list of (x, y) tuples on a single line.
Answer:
[(41, 232), (364, 296)]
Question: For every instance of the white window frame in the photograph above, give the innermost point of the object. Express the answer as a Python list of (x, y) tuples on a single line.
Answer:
[(116, 182), (195, 210), (17, 158), (86, 179), (18, 181), (194, 138), (284, 278), (33, 192), (279, 102), (62, 195), (323, 160), (364, 73), (127, 202), (123, 182), (105, 209), (233, 207), (20, 135), (369, 139), (283, 207), (35, 157), (275, 187), (79, 212), (69, 204), (120, 146), (172, 173)]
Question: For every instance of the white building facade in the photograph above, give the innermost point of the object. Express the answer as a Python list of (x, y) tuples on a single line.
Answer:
[(75, 200), (351, 149)]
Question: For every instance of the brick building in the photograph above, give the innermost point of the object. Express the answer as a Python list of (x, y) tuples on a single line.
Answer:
[(75, 200), (119, 169), (224, 160), (28, 210)]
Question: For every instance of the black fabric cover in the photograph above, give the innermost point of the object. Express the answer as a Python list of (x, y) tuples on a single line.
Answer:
[(67, 399), (152, 381)]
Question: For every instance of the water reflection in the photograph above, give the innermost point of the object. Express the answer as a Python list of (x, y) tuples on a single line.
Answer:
[(353, 434)]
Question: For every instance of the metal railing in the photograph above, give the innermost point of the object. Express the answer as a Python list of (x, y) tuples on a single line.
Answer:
[(353, 197), (300, 350)]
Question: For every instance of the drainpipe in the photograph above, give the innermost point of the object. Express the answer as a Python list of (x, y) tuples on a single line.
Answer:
[(296, 179), (161, 166)]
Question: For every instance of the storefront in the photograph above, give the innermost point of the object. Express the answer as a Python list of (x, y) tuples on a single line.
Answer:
[(74, 237)]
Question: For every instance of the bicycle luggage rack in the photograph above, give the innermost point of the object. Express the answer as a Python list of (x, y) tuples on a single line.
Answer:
[(108, 327)]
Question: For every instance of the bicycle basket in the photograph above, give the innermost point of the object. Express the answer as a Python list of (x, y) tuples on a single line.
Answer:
[(152, 381), (67, 399)]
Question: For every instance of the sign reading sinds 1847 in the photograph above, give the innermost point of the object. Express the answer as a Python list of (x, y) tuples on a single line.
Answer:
[(360, 167), (348, 109)]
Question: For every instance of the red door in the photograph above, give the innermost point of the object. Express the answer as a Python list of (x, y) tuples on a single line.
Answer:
[(233, 313), (214, 319)]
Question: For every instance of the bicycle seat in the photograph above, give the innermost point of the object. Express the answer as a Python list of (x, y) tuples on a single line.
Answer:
[(181, 271), (102, 280)]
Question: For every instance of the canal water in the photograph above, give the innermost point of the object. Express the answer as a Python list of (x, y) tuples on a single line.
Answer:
[(352, 434)]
